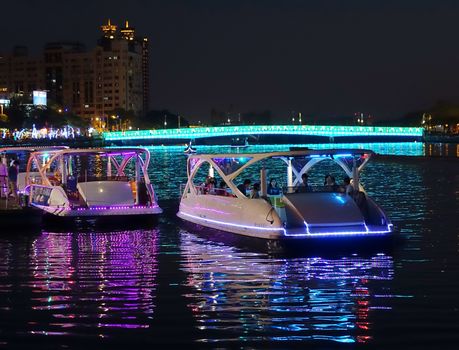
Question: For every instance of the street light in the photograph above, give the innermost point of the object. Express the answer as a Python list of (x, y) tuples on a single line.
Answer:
[(165, 121)]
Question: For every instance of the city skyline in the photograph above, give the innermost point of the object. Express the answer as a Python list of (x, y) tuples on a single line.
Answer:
[(385, 59)]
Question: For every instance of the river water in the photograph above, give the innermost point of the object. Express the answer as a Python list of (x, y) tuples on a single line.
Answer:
[(165, 284)]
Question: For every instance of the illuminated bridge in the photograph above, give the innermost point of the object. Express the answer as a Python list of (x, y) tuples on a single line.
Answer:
[(257, 130)]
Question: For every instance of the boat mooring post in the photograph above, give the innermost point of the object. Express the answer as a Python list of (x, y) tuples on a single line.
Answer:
[(355, 176), (289, 174), (137, 177), (211, 171), (263, 184)]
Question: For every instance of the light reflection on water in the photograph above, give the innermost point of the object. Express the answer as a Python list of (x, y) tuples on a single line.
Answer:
[(89, 284), (240, 296)]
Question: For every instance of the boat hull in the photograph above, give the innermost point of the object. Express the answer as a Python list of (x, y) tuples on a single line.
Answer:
[(247, 217), (257, 218), (291, 246)]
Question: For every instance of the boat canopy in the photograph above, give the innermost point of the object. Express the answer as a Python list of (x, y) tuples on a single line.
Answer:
[(229, 166), (113, 164), (31, 149)]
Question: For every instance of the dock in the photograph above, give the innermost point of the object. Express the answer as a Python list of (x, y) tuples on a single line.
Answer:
[(14, 216)]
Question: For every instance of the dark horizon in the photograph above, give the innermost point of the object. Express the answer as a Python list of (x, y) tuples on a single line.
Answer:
[(322, 59)]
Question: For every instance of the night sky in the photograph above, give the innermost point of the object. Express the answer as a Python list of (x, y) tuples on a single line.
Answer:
[(322, 58)]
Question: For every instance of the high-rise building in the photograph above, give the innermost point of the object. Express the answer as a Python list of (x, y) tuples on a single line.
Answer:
[(94, 84), (20, 74), (56, 55)]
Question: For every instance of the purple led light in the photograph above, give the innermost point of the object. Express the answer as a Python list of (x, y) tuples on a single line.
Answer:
[(125, 207)]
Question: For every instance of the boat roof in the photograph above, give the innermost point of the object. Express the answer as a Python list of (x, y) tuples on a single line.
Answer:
[(300, 153), (100, 151), (32, 149)]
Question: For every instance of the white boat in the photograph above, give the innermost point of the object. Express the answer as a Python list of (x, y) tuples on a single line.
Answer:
[(22, 154), (117, 183), (294, 213)]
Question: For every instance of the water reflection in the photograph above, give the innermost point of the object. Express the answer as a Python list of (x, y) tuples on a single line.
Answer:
[(85, 284), (246, 296)]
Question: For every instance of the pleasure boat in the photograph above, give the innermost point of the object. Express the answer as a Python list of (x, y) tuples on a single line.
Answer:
[(22, 154), (293, 212), (95, 182)]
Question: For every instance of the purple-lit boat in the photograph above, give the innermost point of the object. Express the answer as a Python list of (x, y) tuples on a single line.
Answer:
[(115, 183), (292, 212)]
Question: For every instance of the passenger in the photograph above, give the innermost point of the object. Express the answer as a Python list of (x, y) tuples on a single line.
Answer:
[(361, 201), (330, 183), (347, 187), (244, 186), (304, 186), (13, 172), (255, 191), (211, 186), (3, 178), (206, 185), (273, 189), (221, 191)]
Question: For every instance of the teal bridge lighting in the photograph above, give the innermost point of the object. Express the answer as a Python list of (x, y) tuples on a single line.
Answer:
[(302, 130)]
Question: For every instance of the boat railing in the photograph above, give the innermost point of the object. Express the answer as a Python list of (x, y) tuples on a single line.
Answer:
[(207, 190), (103, 178), (313, 188)]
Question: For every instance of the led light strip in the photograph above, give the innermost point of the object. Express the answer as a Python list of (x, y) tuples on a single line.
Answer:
[(341, 233), (234, 225)]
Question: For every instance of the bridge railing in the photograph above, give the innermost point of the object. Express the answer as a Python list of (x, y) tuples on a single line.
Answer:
[(306, 130)]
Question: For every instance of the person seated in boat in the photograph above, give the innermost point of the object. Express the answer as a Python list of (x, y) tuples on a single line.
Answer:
[(255, 193), (347, 187), (273, 189), (210, 185), (243, 187), (206, 186), (304, 185), (361, 200), (222, 189), (330, 183), (56, 178)]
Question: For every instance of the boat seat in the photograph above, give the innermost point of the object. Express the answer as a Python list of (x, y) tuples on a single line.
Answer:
[(106, 193)]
